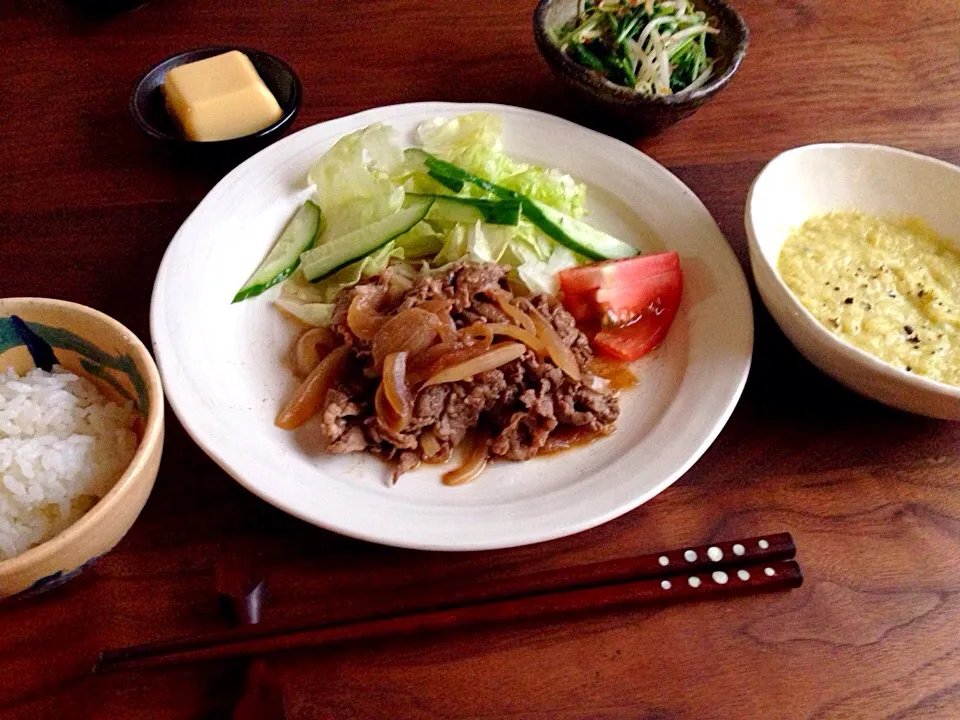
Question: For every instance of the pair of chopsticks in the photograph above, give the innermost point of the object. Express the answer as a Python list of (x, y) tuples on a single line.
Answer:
[(754, 565)]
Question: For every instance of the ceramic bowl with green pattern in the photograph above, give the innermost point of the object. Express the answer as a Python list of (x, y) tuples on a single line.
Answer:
[(35, 332)]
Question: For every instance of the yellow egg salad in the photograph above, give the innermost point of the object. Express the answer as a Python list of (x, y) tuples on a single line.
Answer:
[(890, 286)]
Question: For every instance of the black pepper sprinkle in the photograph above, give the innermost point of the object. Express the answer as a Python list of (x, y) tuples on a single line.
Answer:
[(921, 293), (836, 289), (908, 368), (908, 329), (848, 301), (891, 293)]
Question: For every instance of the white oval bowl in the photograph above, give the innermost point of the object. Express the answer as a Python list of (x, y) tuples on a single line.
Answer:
[(815, 179)]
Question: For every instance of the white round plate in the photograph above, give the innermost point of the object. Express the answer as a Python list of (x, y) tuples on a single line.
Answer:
[(225, 374)]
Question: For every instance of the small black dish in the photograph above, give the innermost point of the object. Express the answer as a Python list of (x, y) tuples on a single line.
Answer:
[(628, 112), (149, 110)]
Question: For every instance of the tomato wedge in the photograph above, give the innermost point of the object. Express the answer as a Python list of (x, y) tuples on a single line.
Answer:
[(629, 342), (623, 304), (577, 280), (635, 300)]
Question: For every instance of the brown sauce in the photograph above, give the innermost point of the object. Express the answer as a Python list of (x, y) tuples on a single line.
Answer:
[(617, 372), (561, 440), (570, 439)]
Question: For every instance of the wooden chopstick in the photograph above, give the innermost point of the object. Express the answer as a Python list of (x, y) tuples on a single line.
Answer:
[(723, 569), (695, 559)]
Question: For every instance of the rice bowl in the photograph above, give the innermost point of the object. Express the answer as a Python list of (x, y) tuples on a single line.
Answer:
[(62, 447), (96, 347)]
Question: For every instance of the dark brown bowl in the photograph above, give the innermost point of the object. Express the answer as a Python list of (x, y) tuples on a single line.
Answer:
[(633, 113), (150, 113)]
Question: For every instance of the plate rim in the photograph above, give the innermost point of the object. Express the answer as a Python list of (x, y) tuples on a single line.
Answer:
[(517, 538)]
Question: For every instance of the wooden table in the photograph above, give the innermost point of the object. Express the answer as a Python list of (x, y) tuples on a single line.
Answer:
[(872, 496)]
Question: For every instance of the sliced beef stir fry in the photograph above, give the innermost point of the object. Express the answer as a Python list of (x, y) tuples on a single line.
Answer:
[(443, 355)]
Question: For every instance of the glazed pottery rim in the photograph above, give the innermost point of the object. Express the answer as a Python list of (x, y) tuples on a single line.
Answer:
[(608, 91), (152, 434), (290, 109)]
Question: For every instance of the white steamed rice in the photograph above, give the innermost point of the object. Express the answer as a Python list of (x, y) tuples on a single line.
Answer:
[(62, 447)]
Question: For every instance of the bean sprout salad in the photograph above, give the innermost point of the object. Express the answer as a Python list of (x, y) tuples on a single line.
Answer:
[(656, 47)]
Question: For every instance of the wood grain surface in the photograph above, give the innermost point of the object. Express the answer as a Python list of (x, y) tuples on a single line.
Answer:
[(871, 495)]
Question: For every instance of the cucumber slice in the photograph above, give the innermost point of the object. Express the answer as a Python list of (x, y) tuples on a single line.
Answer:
[(445, 172), (416, 158), (284, 257), (576, 234), (566, 230), (447, 208), (339, 252), (449, 183)]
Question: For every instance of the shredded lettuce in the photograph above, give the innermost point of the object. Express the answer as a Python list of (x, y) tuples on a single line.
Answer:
[(473, 141), (353, 180), (421, 241), (550, 187), (316, 314), (481, 242), (365, 175), (454, 246), (463, 134), (488, 243), (541, 277)]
